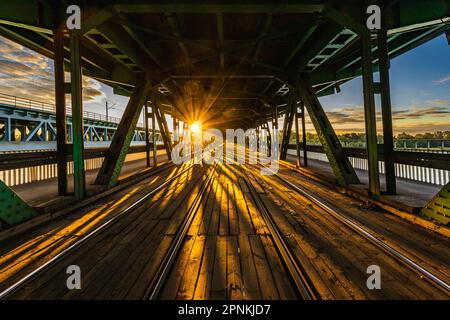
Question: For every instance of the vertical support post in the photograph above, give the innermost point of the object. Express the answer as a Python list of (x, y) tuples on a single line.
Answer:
[(147, 138), (297, 135), (163, 128), (8, 130), (287, 126), (386, 112), (77, 117), (370, 117), (305, 151), (155, 149)]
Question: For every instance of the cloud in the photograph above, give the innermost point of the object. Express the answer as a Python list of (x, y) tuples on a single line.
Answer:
[(27, 74), (442, 80)]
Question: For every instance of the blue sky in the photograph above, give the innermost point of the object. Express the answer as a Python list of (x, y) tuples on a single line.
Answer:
[(420, 91), (420, 88)]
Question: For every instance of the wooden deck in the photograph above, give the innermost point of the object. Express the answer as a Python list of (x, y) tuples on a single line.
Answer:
[(228, 252)]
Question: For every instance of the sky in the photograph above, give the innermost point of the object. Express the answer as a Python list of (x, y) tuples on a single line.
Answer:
[(420, 89)]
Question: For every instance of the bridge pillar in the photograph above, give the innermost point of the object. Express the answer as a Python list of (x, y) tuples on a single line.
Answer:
[(370, 116), (343, 170), (60, 103), (163, 128), (305, 152), (386, 112), (155, 149), (147, 138), (115, 156), (77, 117), (297, 135), (287, 126)]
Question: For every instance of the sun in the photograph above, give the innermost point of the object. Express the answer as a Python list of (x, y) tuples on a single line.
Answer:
[(195, 127)]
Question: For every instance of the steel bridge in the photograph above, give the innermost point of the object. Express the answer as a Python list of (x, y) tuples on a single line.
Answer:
[(150, 228), (26, 120)]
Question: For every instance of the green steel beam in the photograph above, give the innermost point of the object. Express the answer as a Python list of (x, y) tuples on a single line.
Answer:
[(343, 170), (163, 128), (386, 112), (60, 104), (13, 210), (77, 117), (110, 170), (370, 115), (305, 152), (202, 7), (287, 126), (439, 207)]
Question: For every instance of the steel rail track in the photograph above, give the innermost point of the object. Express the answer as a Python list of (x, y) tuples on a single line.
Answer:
[(170, 257), (362, 231), (300, 278), (21, 282)]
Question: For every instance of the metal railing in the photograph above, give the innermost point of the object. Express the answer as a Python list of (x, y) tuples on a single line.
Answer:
[(25, 103), (429, 166)]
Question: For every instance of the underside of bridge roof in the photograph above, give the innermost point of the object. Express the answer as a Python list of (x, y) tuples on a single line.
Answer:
[(225, 63)]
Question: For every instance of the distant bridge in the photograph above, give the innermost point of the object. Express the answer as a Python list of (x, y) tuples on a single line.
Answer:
[(27, 120)]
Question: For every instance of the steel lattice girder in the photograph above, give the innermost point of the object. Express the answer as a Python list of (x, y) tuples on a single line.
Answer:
[(343, 170), (439, 207), (13, 210), (287, 126), (111, 167)]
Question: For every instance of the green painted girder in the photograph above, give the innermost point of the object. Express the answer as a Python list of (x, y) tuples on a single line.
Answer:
[(343, 170), (13, 210), (439, 207), (287, 126), (115, 156)]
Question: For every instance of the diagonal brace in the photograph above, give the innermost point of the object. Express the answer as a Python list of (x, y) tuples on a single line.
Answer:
[(115, 156), (343, 170)]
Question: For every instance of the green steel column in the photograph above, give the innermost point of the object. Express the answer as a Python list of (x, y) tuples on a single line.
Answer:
[(77, 117), (60, 102), (155, 150), (287, 127), (305, 152), (297, 135), (388, 136), (147, 138), (370, 115)]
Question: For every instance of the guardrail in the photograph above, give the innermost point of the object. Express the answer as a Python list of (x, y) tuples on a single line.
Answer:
[(30, 166), (429, 167), (24, 103)]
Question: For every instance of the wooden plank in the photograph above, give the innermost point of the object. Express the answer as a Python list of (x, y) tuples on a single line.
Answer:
[(265, 278), (250, 284), (213, 228), (224, 212), (219, 279), (234, 274), (187, 287), (204, 225), (282, 280), (170, 289), (202, 289), (234, 224)]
